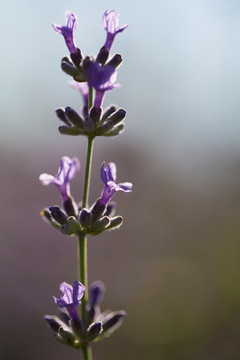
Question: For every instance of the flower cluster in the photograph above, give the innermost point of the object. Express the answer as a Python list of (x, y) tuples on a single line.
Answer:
[(72, 219), (89, 74), (92, 77), (68, 328)]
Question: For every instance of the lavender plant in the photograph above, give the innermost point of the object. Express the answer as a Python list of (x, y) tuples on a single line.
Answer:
[(92, 77)]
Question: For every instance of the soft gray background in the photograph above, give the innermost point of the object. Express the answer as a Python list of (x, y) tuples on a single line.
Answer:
[(174, 265)]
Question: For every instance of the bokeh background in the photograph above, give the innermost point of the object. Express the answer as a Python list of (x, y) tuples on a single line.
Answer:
[(174, 265)]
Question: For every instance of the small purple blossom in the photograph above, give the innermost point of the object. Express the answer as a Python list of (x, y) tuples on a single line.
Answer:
[(67, 31), (109, 176), (82, 87), (110, 24), (70, 297), (101, 78), (66, 172)]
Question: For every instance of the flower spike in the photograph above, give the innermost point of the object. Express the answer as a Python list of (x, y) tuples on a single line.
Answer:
[(110, 24), (92, 77)]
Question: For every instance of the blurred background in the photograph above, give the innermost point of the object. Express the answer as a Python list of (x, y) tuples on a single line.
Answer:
[(174, 264)]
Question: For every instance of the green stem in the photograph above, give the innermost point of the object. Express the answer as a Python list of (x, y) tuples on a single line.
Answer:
[(82, 250), (86, 352), (82, 239), (87, 173), (90, 98)]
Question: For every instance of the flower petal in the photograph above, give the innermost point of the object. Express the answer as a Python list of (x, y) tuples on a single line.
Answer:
[(71, 20), (111, 172), (47, 179), (110, 20), (101, 77), (67, 293), (78, 291), (74, 167), (103, 174), (126, 187), (57, 28)]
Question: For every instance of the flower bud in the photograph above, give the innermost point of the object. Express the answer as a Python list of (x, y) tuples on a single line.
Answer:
[(111, 207), (97, 210), (117, 116), (70, 206), (67, 60), (74, 117), (109, 111), (66, 229), (112, 322), (47, 215), (113, 120), (76, 57), (116, 130), (61, 115), (53, 322), (96, 292), (85, 218), (94, 331), (105, 128), (89, 126), (58, 214), (74, 224), (64, 317), (115, 61), (85, 111), (85, 64), (95, 114), (99, 226), (102, 55), (66, 130), (67, 336), (79, 77), (68, 67), (77, 327), (115, 223)]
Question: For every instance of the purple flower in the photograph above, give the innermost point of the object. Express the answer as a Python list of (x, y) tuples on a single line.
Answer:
[(110, 24), (101, 78), (70, 297), (108, 177), (66, 172), (67, 31), (83, 88)]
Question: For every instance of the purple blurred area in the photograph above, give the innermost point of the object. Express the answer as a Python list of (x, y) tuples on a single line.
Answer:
[(173, 266)]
